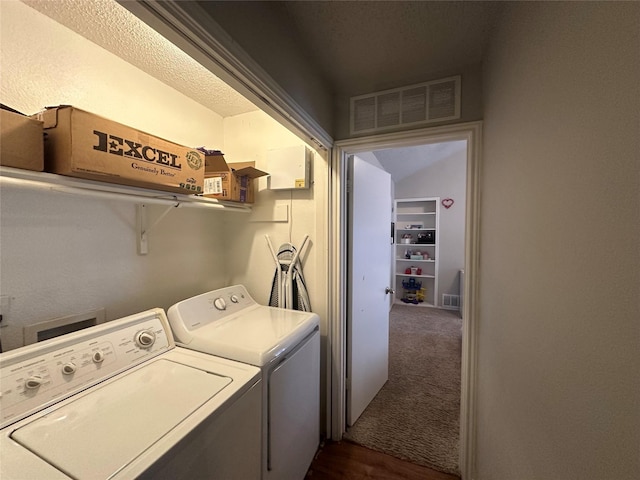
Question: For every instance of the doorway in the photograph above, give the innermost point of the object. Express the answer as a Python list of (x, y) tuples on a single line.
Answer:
[(471, 132), (415, 413)]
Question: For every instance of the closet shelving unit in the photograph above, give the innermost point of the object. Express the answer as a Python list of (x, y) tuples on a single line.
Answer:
[(416, 218)]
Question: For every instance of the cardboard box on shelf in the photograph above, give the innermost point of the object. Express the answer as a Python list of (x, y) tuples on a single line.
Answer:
[(21, 141), (85, 145), (233, 181)]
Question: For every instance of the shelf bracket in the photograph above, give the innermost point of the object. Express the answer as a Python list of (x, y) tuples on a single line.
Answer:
[(143, 227)]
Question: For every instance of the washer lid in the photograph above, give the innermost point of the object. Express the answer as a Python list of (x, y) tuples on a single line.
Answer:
[(254, 335), (99, 433)]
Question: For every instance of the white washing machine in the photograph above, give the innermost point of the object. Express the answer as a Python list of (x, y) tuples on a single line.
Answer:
[(285, 344), (121, 401)]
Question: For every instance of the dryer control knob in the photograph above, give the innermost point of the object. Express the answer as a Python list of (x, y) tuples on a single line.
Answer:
[(69, 368), (234, 298), (220, 303), (98, 357), (145, 339)]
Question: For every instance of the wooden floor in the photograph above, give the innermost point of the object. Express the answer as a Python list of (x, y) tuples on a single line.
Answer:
[(347, 461)]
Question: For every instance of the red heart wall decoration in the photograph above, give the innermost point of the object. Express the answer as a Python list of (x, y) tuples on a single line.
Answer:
[(447, 202)]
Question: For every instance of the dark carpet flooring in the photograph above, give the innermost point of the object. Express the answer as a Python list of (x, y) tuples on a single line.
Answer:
[(416, 415)]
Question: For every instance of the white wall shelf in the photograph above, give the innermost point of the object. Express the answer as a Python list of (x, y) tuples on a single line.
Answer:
[(415, 230), (27, 179), (110, 191), (417, 214), (415, 276), (414, 261)]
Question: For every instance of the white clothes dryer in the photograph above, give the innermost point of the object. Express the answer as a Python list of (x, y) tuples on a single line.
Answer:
[(121, 401), (285, 344)]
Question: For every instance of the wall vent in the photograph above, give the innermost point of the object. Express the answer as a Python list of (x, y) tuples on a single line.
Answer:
[(434, 101), (450, 302)]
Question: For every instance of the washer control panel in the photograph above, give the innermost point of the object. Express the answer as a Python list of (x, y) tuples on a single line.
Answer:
[(209, 307), (38, 375)]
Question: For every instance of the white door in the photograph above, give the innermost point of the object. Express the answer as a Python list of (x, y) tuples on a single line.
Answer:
[(369, 273)]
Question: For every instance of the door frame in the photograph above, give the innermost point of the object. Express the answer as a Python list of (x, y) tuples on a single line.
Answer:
[(338, 251)]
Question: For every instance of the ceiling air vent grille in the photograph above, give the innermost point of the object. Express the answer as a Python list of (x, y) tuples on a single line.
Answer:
[(434, 101)]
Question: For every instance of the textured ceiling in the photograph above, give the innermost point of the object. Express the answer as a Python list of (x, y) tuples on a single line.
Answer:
[(357, 46), (109, 25), (357, 43)]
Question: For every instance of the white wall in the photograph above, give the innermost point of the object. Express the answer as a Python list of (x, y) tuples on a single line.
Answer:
[(63, 254), (370, 157), (445, 179), (45, 63), (248, 137), (559, 338)]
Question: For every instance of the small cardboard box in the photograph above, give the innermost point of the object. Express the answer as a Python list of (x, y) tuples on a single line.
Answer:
[(229, 182), (81, 144), (21, 141)]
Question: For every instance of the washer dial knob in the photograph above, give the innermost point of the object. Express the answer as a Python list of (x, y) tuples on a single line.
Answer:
[(69, 368), (234, 298), (98, 357), (220, 304), (145, 339), (34, 381)]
